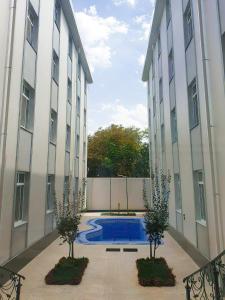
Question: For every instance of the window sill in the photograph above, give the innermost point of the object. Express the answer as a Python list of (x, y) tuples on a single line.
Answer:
[(53, 143), (25, 129), (202, 222), (49, 211), (56, 82), (19, 223)]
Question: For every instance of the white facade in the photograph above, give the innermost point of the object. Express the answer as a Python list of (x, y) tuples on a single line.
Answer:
[(184, 68), (43, 105)]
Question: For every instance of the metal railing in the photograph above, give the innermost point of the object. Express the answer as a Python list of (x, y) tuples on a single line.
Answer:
[(10, 284), (208, 282)]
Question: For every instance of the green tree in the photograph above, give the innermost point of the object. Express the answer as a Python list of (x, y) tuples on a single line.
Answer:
[(117, 150), (156, 216)]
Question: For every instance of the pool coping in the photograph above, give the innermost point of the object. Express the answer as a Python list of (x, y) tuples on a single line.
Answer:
[(81, 237)]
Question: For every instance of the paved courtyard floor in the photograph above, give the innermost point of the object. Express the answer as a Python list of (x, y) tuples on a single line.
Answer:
[(109, 275)]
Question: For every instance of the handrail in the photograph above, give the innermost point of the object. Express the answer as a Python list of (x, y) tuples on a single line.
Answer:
[(11, 284), (207, 282)]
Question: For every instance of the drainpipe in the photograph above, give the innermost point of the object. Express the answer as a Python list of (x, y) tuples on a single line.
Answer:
[(211, 133), (6, 94)]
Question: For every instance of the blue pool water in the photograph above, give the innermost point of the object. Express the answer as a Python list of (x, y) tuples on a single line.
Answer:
[(114, 231)]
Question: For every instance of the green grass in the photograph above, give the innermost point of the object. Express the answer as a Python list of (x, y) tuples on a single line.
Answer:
[(154, 272), (67, 271)]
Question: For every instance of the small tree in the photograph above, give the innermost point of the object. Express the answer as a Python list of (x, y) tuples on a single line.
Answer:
[(68, 216), (156, 217)]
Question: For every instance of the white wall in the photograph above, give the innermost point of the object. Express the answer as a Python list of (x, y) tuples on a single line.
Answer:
[(98, 193)]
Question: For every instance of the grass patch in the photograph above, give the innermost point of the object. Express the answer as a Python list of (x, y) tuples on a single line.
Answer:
[(154, 272), (123, 214), (67, 271)]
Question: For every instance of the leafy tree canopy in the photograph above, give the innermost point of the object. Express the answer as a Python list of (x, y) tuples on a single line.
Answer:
[(116, 151)]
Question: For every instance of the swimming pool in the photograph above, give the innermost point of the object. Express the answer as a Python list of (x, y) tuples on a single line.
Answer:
[(114, 231)]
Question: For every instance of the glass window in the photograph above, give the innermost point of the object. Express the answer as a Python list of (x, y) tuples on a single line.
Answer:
[(168, 11), (78, 105), (69, 90), (77, 145), (68, 137), (27, 107), (85, 117), (193, 104), (177, 188), (163, 137), (154, 106), (79, 68), (188, 25), (171, 65), (160, 90), (50, 192), (32, 27), (159, 45), (66, 189), (53, 126), (200, 195), (55, 67), (70, 50), (174, 125), (57, 13), (20, 201)]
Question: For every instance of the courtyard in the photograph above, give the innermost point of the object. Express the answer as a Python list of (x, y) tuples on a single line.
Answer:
[(109, 275)]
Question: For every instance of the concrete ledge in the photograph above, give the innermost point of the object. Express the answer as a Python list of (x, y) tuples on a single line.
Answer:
[(194, 253), (20, 261)]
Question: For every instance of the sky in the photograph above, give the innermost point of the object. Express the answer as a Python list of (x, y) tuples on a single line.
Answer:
[(115, 35)]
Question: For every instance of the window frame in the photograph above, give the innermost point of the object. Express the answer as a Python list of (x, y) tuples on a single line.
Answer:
[(174, 132), (27, 107), (21, 208), (68, 138), (32, 27), (55, 67), (200, 197), (171, 65), (188, 25), (53, 127), (194, 109), (50, 190), (57, 14)]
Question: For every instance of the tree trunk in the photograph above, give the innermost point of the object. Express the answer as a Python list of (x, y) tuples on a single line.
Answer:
[(150, 245), (72, 250)]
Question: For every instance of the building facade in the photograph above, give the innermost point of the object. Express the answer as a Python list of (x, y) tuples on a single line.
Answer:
[(43, 107), (184, 69)]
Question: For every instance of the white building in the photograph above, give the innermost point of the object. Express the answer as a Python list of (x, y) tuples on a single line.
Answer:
[(43, 104), (184, 68)]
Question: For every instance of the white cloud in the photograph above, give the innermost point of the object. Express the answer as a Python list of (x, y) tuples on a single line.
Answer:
[(120, 114), (141, 60), (131, 3), (144, 22), (96, 33)]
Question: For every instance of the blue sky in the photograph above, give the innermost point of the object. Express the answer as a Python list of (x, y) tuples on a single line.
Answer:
[(115, 37)]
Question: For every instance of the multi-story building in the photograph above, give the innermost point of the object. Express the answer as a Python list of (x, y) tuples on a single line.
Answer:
[(43, 105), (185, 68)]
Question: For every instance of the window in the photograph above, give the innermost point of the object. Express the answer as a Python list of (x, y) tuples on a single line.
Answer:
[(160, 90), (55, 67), (168, 11), (27, 107), (76, 187), (188, 25), (78, 105), (193, 104), (154, 106), (53, 126), (199, 195), (85, 86), (163, 137), (68, 137), (84, 151), (69, 90), (70, 50), (174, 125), (159, 45), (79, 68), (50, 192), (85, 117), (32, 27), (77, 145), (57, 13), (171, 65), (177, 188), (66, 189), (21, 195)]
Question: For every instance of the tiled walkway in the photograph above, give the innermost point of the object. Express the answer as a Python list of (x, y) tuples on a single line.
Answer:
[(109, 275)]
